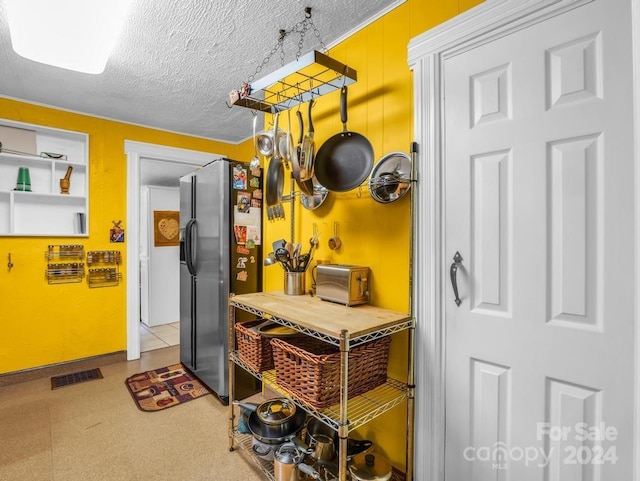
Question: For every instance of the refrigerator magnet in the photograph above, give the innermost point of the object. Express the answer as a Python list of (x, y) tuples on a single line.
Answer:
[(253, 235), (257, 172), (254, 182), (257, 194), (252, 259), (242, 263), (244, 201), (239, 178), (256, 203), (243, 250), (242, 276), (241, 233)]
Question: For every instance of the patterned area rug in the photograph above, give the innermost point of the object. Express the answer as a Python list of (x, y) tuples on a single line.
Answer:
[(164, 388)]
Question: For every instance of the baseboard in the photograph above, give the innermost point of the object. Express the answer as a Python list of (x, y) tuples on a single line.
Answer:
[(62, 368)]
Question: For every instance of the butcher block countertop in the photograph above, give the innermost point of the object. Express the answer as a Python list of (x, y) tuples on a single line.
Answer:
[(325, 317)]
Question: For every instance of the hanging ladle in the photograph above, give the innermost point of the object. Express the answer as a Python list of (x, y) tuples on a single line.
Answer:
[(335, 242)]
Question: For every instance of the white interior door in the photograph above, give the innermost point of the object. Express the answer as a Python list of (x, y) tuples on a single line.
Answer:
[(539, 196)]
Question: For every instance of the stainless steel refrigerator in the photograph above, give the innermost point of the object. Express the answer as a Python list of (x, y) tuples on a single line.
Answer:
[(220, 253)]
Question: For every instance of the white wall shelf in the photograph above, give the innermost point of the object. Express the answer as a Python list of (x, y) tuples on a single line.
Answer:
[(45, 211)]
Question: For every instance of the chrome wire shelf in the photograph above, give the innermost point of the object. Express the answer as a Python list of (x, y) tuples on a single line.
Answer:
[(245, 441), (360, 409), (312, 75)]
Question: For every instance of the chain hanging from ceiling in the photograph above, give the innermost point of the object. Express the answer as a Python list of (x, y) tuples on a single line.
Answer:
[(311, 74), (301, 28)]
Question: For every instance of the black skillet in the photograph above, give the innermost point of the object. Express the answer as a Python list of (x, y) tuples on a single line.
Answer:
[(344, 161)]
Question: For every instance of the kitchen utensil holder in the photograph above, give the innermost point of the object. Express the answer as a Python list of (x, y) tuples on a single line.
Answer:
[(64, 273), (294, 283), (309, 369), (253, 348)]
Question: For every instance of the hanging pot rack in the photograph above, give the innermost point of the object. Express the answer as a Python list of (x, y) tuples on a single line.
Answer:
[(309, 76)]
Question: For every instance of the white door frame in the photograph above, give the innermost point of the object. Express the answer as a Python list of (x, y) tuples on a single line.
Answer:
[(136, 151), (426, 54)]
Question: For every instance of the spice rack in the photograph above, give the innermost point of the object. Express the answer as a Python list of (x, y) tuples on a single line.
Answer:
[(64, 252), (103, 258), (63, 272), (345, 327), (102, 276)]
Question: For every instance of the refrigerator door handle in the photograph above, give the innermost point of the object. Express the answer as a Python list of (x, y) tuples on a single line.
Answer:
[(191, 237)]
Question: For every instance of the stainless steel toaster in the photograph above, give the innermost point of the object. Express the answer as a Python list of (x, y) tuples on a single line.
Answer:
[(342, 283)]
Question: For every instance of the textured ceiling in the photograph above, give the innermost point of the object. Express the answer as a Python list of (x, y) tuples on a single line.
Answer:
[(177, 60)]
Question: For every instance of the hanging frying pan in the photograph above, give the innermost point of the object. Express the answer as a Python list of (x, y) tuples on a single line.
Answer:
[(306, 186), (275, 173), (308, 150), (344, 161)]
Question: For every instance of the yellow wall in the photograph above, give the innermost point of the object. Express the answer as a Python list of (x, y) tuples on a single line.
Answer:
[(373, 234), (45, 324)]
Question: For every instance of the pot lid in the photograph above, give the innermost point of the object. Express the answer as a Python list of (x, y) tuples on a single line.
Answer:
[(276, 411), (370, 467), (391, 178)]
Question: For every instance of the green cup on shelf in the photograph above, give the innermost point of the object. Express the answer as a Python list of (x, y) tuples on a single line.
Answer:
[(24, 180)]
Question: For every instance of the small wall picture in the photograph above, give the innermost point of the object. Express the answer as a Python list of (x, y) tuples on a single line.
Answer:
[(166, 227), (116, 233)]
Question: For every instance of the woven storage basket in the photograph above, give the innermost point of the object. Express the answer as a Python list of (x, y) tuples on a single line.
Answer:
[(310, 369), (253, 349)]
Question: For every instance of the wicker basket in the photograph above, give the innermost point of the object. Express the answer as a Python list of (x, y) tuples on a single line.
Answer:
[(310, 369), (253, 349)]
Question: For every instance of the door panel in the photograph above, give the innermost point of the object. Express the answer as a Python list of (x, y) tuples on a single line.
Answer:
[(538, 147)]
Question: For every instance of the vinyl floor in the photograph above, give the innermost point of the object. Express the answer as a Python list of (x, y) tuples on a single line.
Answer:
[(94, 431)]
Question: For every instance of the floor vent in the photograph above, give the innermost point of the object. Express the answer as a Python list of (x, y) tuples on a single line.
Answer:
[(75, 378)]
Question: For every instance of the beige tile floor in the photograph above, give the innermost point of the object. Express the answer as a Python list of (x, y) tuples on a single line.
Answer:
[(158, 337), (93, 431)]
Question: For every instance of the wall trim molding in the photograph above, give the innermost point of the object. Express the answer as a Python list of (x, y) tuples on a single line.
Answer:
[(136, 151), (61, 368), (427, 52)]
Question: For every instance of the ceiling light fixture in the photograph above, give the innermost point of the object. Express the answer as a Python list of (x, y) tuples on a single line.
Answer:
[(72, 34)]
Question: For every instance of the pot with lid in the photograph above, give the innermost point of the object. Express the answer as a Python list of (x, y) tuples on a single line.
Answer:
[(273, 423), (370, 467)]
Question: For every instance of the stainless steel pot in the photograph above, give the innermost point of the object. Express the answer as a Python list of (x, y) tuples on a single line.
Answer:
[(275, 421), (285, 462)]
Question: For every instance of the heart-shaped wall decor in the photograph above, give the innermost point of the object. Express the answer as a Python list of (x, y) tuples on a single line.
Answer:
[(168, 228)]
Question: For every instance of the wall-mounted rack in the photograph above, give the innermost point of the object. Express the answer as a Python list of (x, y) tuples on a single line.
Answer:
[(64, 273), (104, 277), (103, 257), (64, 252), (312, 75)]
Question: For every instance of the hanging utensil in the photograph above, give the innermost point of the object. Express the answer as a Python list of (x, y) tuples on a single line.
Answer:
[(285, 143), (306, 186), (308, 149), (275, 173), (255, 162), (345, 160)]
